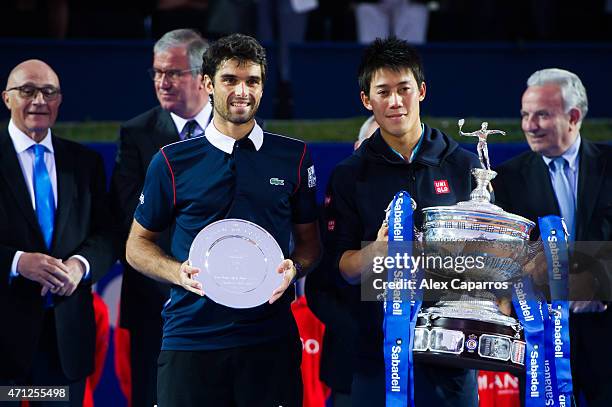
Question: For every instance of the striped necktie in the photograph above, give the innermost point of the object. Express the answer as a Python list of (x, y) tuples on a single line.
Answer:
[(190, 129)]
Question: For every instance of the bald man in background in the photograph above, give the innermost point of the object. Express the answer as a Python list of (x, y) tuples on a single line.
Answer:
[(55, 240)]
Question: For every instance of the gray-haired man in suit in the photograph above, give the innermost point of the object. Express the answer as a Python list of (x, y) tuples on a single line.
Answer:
[(565, 174)]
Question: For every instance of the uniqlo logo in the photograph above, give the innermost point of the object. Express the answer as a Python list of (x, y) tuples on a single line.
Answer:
[(331, 225), (441, 186)]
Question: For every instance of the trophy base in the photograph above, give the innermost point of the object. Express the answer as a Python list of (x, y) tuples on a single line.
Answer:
[(482, 339)]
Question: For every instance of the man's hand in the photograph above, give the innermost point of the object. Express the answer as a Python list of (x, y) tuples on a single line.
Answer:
[(505, 306), (582, 286), (76, 271), (383, 233), (579, 307), (288, 270), (356, 265), (536, 267), (186, 280), (51, 273)]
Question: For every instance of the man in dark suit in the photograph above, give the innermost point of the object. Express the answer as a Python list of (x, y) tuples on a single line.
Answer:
[(566, 175), (184, 112), (54, 239)]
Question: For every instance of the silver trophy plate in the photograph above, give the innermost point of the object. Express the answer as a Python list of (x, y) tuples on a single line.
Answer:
[(238, 261)]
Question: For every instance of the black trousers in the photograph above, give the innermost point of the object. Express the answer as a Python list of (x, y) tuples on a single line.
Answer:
[(145, 343), (591, 357), (259, 375)]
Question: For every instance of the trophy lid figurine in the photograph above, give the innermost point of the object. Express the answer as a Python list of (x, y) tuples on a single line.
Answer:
[(470, 331), (482, 134), (478, 217)]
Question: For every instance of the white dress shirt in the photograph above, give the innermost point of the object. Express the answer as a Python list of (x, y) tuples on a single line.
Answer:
[(202, 119)]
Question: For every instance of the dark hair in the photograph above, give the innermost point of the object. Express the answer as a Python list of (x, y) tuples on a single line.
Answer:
[(391, 53), (235, 46)]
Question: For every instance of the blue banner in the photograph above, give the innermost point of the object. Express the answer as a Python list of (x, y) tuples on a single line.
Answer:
[(554, 238), (551, 389), (416, 302), (399, 334), (529, 312)]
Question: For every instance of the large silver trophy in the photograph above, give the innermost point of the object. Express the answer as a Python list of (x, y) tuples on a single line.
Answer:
[(468, 330)]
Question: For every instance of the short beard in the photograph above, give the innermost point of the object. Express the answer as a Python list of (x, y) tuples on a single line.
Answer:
[(240, 120), (235, 120)]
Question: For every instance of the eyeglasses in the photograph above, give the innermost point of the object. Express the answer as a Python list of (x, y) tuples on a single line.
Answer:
[(30, 91), (171, 74)]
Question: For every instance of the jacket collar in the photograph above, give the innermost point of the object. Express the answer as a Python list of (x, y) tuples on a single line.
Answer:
[(434, 147)]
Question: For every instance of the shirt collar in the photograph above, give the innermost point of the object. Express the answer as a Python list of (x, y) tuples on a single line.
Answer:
[(226, 143), (415, 149), (22, 142), (570, 155), (202, 118)]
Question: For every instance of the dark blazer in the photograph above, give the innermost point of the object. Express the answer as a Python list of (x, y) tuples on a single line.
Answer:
[(140, 138), (523, 187), (81, 227)]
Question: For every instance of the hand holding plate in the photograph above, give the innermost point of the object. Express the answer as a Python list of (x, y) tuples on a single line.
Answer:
[(288, 270), (186, 280)]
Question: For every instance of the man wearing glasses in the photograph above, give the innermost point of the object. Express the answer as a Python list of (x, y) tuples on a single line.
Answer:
[(55, 240), (184, 112)]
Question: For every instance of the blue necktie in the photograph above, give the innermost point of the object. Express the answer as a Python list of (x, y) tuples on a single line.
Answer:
[(43, 193), (564, 192), (45, 205)]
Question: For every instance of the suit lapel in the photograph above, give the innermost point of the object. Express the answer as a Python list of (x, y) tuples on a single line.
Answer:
[(590, 178), (165, 131), (539, 190), (11, 171), (65, 169)]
